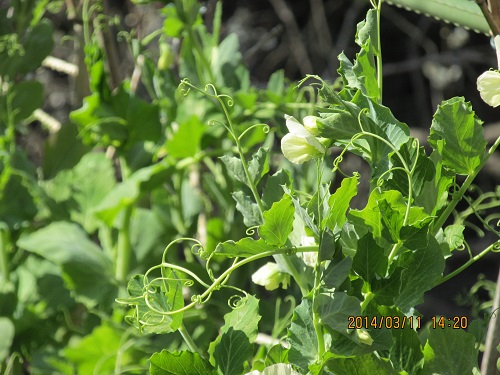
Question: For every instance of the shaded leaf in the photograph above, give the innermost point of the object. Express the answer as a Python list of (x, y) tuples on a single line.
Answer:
[(179, 363)]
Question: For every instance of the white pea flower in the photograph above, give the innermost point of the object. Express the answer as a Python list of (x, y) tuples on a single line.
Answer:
[(300, 145), (270, 276), (310, 258), (364, 336), (277, 369), (488, 83)]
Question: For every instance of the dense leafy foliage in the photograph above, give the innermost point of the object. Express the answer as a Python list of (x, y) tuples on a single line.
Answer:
[(86, 286)]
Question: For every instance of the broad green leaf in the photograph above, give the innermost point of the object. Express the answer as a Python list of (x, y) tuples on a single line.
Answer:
[(144, 318), (302, 337), (328, 246), (278, 222), (230, 350), (36, 45), (249, 209), (422, 268), (276, 86), (245, 247), (277, 354), (86, 270), (235, 166), (335, 310), (127, 192), (457, 134), (369, 261), (62, 150), (20, 100), (406, 354), (179, 363), (434, 193), (186, 140), (244, 317), (424, 170), (339, 203), (367, 33), (368, 364), (8, 330), (89, 192), (449, 351), (387, 289), (340, 126), (226, 64), (120, 120), (17, 205), (318, 205), (336, 273), (97, 351), (273, 190)]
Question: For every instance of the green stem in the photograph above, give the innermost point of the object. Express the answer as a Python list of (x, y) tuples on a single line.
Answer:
[(494, 246), (378, 53), (124, 247), (189, 340), (318, 327), (458, 196), (4, 257)]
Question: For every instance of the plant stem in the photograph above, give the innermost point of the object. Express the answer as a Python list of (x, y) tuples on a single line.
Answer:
[(491, 355), (189, 340), (378, 52), (494, 246), (458, 196), (318, 327), (4, 257), (124, 247)]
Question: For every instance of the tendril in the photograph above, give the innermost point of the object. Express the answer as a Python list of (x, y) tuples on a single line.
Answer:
[(252, 230), (265, 128), (496, 247), (236, 301)]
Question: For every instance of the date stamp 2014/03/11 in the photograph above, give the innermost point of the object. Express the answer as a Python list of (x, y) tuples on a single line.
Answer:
[(399, 322)]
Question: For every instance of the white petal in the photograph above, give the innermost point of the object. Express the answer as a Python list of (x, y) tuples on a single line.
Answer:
[(296, 127), (297, 149), (280, 369), (488, 85), (497, 47)]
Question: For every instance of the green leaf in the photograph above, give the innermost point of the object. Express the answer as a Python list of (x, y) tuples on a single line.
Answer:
[(335, 310), (37, 43), (457, 134), (422, 268), (97, 351), (162, 296), (86, 270), (441, 349), (179, 363), (454, 235), (127, 192), (303, 214), (186, 140), (17, 205), (230, 350), (277, 354), (278, 222), (339, 203), (245, 248), (302, 337), (235, 165), (336, 273), (8, 330), (368, 364), (406, 353), (369, 261), (245, 317), (273, 190), (21, 100), (89, 192), (259, 165), (249, 209), (62, 150)]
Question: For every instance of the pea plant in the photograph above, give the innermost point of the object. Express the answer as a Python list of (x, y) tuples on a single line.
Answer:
[(279, 260), (361, 272)]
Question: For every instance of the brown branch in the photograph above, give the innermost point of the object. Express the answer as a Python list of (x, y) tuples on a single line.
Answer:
[(495, 29), (298, 48)]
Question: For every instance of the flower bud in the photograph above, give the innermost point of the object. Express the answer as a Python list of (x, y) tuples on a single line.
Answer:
[(488, 85), (270, 276), (311, 125), (300, 145)]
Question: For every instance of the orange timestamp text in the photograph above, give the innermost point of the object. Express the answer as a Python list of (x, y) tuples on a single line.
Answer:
[(379, 322)]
